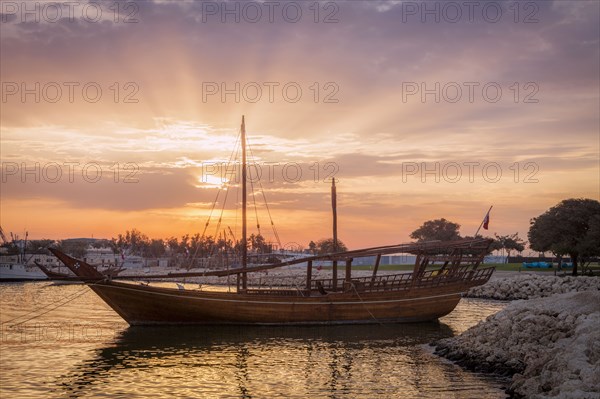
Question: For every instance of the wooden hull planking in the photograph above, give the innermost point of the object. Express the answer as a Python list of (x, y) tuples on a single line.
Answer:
[(409, 297), (144, 305)]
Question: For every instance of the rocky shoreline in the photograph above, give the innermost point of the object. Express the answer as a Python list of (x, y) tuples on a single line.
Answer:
[(550, 345), (531, 286)]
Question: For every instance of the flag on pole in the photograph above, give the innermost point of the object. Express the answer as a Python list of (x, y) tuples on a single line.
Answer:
[(486, 221)]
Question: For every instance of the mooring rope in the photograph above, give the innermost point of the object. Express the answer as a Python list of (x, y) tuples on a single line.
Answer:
[(61, 302), (363, 303)]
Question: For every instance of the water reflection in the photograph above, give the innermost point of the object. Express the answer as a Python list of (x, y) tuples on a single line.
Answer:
[(84, 350), (256, 362)]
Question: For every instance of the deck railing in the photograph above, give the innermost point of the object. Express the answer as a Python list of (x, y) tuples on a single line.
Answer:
[(296, 286)]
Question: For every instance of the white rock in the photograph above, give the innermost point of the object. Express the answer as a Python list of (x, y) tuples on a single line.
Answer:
[(557, 339), (528, 286)]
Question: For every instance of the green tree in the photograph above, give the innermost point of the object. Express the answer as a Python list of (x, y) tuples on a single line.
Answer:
[(134, 242), (137, 242), (101, 243), (439, 229), (156, 248), (257, 242), (325, 246), (568, 228), (589, 245), (173, 244), (39, 246), (510, 242), (74, 247), (10, 248)]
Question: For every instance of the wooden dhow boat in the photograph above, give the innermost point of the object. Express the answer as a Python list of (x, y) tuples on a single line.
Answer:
[(425, 294), (407, 297)]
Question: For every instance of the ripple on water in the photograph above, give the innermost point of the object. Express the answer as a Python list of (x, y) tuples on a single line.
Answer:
[(96, 355)]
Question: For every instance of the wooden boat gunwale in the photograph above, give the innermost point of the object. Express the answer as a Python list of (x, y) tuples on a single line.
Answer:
[(444, 285)]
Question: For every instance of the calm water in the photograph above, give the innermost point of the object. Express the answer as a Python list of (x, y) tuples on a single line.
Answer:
[(84, 350)]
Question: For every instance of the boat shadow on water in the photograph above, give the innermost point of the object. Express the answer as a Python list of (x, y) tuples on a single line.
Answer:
[(336, 350)]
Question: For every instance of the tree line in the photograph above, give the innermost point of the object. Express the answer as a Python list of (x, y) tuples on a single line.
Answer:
[(134, 242), (570, 228), (445, 230)]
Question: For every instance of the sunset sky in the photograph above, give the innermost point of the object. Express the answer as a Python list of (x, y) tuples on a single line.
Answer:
[(517, 87)]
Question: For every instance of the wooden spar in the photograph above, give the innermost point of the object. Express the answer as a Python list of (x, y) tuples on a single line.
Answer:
[(421, 249), (375, 268), (335, 272), (412, 248), (309, 274), (348, 270), (244, 205), (335, 246), (334, 209), (419, 261)]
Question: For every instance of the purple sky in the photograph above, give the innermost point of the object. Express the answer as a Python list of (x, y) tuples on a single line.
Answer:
[(384, 88)]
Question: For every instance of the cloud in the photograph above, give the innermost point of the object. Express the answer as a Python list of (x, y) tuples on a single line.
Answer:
[(364, 60)]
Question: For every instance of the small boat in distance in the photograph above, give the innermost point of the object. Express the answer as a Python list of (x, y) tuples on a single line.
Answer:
[(15, 267), (425, 294), (18, 271)]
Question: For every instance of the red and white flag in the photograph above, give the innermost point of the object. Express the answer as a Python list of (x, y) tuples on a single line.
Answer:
[(486, 221)]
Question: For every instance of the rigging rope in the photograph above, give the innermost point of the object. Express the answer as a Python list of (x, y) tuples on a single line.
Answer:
[(254, 201), (252, 187), (267, 205), (61, 302), (228, 184), (231, 156)]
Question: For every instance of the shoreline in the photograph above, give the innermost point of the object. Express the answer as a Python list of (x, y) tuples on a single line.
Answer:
[(547, 339), (531, 286)]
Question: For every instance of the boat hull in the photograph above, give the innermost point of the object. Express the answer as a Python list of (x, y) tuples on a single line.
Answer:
[(14, 272), (144, 305), (423, 295)]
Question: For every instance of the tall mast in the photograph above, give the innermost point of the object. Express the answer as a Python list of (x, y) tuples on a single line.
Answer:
[(244, 204), (335, 241), (334, 208)]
